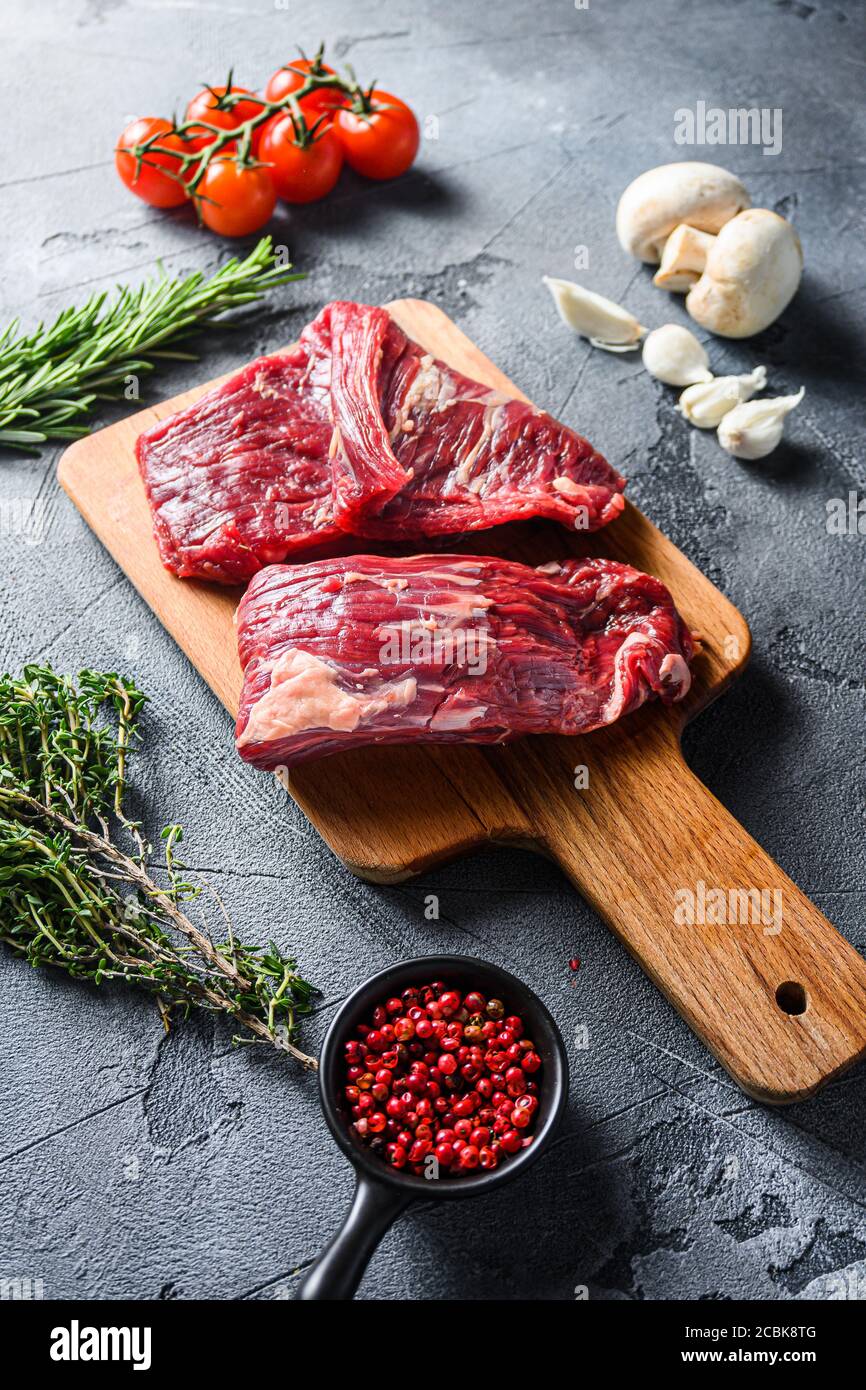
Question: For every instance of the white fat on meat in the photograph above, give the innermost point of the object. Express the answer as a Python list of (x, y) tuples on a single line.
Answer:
[(394, 586), (430, 389), (567, 486), (304, 694), (456, 720), (675, 673), (489, 425), (617, 699), (435, 391)]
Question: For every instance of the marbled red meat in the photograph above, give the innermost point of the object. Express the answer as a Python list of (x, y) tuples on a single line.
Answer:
[(357, 432), (478, 457), (341, 653), (345, 346), (469, 457), (242, 477)]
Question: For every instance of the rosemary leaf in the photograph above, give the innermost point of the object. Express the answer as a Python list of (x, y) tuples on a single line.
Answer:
[(53, 376)]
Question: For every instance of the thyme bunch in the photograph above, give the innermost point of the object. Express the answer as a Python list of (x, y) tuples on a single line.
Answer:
[(51, 378), (76, 890)]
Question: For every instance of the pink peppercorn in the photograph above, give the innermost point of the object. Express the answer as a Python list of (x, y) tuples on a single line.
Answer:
[(436, 1072)]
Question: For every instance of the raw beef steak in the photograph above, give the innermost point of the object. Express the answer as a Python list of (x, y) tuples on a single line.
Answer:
[(242, 477), (356, 432), (469, 457), (337, 654), (345, 347)]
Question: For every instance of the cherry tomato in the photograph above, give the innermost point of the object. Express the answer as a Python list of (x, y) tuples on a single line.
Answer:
[(382, 143), (292, 77), (235, 199), (203, 107), (301, 174), (149, 183)]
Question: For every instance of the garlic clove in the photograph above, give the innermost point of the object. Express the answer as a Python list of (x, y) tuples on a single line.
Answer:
[(683, 259), (605, 324), (673, 355), (706, 403), (752, 430)]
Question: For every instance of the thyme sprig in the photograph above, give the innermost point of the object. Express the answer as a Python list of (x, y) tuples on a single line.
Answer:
[(50, 379), (76, 890)]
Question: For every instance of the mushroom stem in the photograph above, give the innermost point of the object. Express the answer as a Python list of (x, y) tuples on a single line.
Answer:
[(683, 259)]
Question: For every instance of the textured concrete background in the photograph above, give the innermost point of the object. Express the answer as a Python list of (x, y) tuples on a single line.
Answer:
[(138, 1166)]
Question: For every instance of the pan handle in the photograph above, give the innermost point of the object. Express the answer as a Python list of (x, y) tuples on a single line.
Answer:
[(340, 1268)]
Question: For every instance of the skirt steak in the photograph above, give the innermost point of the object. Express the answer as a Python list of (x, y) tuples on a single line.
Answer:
[(356, 433), (341, 653)]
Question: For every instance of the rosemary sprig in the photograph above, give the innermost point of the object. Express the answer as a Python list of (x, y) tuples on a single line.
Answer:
[(75, 887), (50, 379)]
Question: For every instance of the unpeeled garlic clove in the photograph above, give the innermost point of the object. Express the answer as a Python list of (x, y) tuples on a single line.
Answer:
[(752, 430), (605, 324), (673, 355), (706, 403)]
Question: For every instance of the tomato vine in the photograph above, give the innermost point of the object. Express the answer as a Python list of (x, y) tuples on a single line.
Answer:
[(316, 109)]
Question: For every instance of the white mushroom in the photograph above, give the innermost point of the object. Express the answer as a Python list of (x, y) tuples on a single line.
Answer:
[(672, 354), (700, 195), (706, 403), (683, 259), (752, 271), (752, 430), (606, 324)]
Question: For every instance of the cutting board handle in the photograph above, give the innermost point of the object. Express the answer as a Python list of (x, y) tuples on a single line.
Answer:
[(741, 952)]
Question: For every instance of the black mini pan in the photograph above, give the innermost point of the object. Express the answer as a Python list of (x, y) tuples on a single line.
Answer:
[(383, 1192)]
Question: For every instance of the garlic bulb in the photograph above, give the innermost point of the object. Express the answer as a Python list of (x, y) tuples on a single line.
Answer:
[(605, 324), (672, 354), (707, 402), (752, 430)]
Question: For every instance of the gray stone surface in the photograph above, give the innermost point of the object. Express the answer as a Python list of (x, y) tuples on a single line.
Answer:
[(134, 1165)]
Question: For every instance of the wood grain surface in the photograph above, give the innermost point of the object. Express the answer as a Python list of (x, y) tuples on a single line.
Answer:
[(775, 992)]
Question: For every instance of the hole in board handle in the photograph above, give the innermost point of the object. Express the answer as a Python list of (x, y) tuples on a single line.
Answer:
[(792, 998)]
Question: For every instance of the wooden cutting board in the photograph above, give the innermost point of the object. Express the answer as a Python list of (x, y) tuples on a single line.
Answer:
[(781, 1000)]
